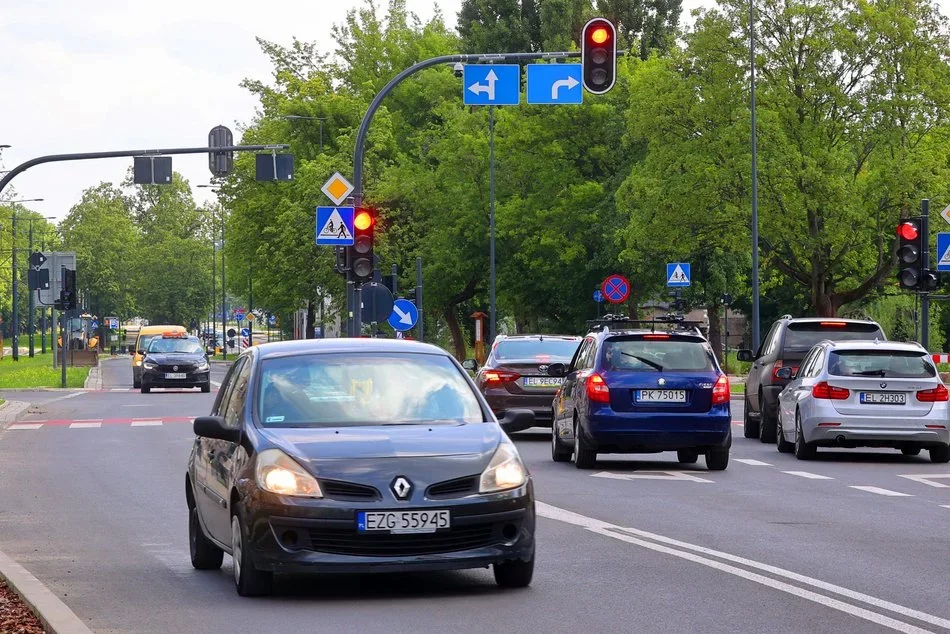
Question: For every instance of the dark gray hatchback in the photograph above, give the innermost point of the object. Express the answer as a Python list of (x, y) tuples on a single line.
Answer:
[(356, 455)]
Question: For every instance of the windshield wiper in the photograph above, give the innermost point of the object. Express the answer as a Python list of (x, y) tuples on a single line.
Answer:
[(880, 372), (652, 364)]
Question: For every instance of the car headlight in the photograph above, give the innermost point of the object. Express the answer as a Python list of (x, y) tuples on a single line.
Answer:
[(138, 363), (505, 471), (150, 365), (203, 366), (279, 473)]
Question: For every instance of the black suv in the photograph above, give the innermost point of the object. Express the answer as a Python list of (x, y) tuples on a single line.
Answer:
[(785, 345)]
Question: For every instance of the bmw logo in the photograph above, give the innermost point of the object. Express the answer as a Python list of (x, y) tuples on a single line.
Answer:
[(883, 385)]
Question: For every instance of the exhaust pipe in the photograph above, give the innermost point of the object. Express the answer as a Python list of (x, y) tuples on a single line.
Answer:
[(840, 439)]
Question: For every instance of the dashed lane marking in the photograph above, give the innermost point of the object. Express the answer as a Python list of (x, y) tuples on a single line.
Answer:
[(928, 479), (85, 425), (810, 476), (25, 426), (754, 463), (146, 423), (880, 491), (679, 476), (34, 425)]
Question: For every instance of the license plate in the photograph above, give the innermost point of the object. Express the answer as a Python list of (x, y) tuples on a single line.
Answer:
[(884, 398), (661, 396), (541, 381), (176, 375), (402, 521)]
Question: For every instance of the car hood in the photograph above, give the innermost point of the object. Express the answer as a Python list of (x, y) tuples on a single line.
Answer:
[(430, 452), (175, 358)]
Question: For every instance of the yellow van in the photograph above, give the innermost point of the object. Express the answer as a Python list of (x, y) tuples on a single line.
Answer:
[(146, 334)]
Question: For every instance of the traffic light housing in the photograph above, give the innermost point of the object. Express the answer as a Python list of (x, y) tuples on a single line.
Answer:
[(598, 56), (911, 273), (68, 297), (360, 255)]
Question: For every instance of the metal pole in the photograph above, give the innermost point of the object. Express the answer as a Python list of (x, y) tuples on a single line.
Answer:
[(224, 300), (250, 305), (62, 335), (350, 307), (43, 309), (419, 298), (214, 287), (925, 264), (15, 340), (727, 339), (491, 220), (32, 324), (357, 310), (395, 273), (755, 188)]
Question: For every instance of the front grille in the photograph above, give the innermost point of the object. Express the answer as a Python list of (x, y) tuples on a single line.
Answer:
[(182, 367), (349, 542), (454, 488), (348, 491)]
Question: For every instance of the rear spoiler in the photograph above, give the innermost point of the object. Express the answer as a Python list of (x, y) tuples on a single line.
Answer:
[(666, 323)]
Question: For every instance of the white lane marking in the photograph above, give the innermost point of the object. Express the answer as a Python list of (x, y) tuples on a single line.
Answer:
[(146, 423), (945, 506), (754, 463), (139, 405), (88, 420), (63, 398), (928, 479), (78, 425), (610, 530), (216, 383), (810, 476), (880, 491), (681, 476), (120, 389), (26, 426)]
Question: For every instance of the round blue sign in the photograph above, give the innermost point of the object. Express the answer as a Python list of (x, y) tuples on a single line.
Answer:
[(239, 317), (245, 332), (598, 296), (404, 315)]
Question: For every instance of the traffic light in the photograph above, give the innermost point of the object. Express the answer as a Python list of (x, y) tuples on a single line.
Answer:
[(360, 256), (68, 298), (910, 249), (599, 56)]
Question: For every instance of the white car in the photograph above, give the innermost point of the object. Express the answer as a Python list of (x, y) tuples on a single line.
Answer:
[(865, 394)]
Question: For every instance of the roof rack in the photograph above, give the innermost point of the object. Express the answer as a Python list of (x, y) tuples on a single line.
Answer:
[(669, 321)]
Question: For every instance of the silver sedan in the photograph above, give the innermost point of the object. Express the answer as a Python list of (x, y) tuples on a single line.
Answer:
[(865, 394)]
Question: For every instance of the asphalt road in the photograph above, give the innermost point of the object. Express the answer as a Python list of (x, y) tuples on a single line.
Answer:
[(92, 503)]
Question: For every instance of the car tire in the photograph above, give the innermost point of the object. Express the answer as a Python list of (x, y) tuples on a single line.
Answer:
[(767, 423), (717, 459), (559, 453), (585, 456), (248, 580), (803, 450), (206, 388), (204, 554), (146, 389), (750, 428), (687, 456), (781, 444), (516, 573), (940, 454), (910, 451)]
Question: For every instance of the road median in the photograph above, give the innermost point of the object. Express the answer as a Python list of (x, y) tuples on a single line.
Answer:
[(55, 615)]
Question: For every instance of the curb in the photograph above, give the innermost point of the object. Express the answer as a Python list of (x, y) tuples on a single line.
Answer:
[(94, 378), (53, 613), (10, 410)]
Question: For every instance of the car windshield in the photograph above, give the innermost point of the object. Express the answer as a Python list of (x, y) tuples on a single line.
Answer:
[(542, 350), (657, 355), (174, 346), (803, 337), (893, 364), (359, 389)]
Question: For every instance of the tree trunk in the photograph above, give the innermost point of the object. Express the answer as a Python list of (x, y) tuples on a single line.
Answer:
[(715, 331), (311, 320), (458, 342)]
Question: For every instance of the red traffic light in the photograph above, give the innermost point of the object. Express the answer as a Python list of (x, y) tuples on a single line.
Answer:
[(599, 35), (598, 56), (908, 230), (363, 220)]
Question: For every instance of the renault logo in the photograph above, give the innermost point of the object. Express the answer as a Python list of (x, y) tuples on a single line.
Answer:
[(401, 488)]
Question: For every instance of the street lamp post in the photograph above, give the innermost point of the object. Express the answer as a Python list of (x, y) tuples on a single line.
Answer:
[(15, 322), (224, 306), (755, 187)]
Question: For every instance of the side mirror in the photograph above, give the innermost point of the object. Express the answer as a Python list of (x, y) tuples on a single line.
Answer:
[(142, 352), (557, 369), (745, 355), (784, 373), (517, 420), (213, 427), (470, 364)]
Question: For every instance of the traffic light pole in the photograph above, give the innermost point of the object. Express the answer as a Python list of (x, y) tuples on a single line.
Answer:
[(32, 322), (925, 264), (15, 339)]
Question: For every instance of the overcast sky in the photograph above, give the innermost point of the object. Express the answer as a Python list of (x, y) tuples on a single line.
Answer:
[(112, 74)]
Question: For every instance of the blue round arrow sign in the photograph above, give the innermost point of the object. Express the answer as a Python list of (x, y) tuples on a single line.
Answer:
[(245, 332), (404, 315), (598, 296)]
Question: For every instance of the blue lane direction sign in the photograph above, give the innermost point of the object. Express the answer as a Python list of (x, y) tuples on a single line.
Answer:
[(404, 315), (245, 332), (598, 296), (554, 84), (943, 251), (491, 85), (239, 317), (677, 274), (335, 226)]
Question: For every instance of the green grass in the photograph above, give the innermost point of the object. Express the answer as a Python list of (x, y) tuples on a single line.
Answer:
[(37, 372)]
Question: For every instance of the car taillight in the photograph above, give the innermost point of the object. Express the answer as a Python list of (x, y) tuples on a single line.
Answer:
[(778, 366), (597, 390), (499, 377), (823, 390), (833, 324), (720, 393), (935, 395)]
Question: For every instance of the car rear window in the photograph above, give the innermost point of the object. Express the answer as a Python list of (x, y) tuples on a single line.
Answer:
[(895, 364), (801, 337), (643, 354), (364, 389), (544, 350)]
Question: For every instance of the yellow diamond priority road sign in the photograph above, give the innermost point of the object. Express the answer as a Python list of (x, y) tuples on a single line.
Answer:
[(337, 188)]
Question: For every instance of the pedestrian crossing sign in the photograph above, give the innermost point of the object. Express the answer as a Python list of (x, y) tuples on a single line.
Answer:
[(943, 251), (335, 226), (677, 274)]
